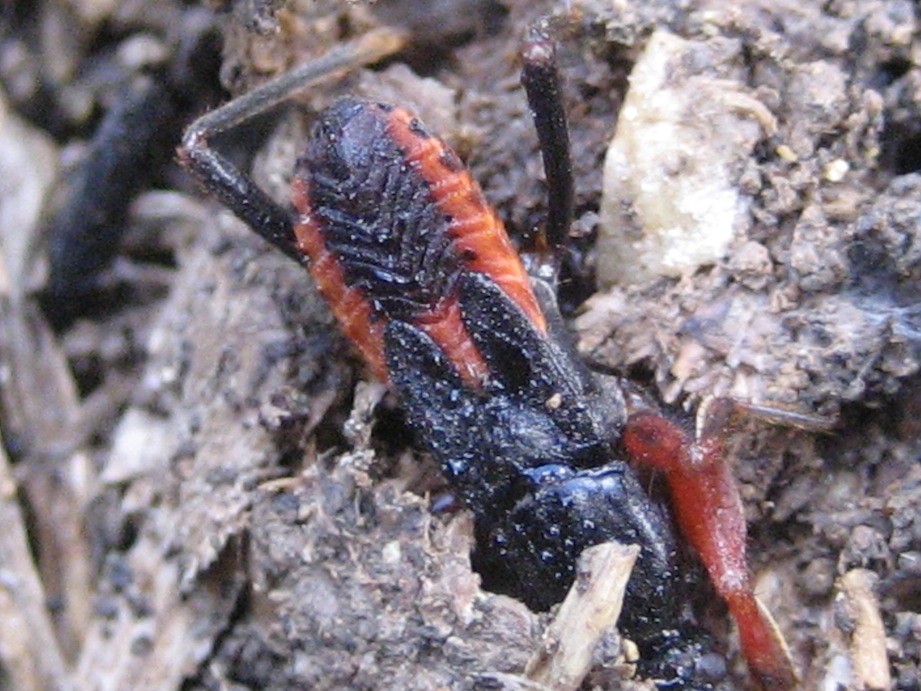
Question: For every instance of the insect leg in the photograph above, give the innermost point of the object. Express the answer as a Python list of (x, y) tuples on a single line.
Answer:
[(540, 77), (709, 511), (231, 186)]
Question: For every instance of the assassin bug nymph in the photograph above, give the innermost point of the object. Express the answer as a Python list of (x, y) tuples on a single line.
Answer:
[(422, 277)]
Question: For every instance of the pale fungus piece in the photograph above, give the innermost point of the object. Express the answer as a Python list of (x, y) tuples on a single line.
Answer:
[(835, 170), (671, 199)]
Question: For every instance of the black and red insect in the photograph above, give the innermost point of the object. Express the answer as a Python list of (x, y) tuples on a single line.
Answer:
[(419, 272)]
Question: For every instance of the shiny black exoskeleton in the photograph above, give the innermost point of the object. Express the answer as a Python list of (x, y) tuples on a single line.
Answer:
[(532, 456)]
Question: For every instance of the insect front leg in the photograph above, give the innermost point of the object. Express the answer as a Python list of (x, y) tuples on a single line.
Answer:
[(708, 507)]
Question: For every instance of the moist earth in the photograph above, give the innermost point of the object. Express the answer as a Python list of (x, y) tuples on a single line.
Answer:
[(214, 492)]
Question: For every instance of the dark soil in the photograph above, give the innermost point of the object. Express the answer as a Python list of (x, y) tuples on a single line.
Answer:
[(210, 488)]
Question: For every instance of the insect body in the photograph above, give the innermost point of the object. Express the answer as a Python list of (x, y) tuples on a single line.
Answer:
[(390, 218), (422, 277)]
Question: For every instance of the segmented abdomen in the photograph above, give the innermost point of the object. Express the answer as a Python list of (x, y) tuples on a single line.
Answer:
[(390, 217)]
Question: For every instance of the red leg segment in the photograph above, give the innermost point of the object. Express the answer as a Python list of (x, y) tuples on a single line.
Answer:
[(708, 508)]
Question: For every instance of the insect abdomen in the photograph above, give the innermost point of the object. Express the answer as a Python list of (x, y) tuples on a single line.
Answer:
[(390, 217)]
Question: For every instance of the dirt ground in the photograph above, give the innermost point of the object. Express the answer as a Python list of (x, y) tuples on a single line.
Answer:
[(200, 485)]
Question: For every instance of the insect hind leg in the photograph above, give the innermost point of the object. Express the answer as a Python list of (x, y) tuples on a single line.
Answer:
[(231, 186)]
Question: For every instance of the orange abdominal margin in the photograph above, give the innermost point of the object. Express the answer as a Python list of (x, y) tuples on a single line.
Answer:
[(354, 312), (477, 233), (479, 240)]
